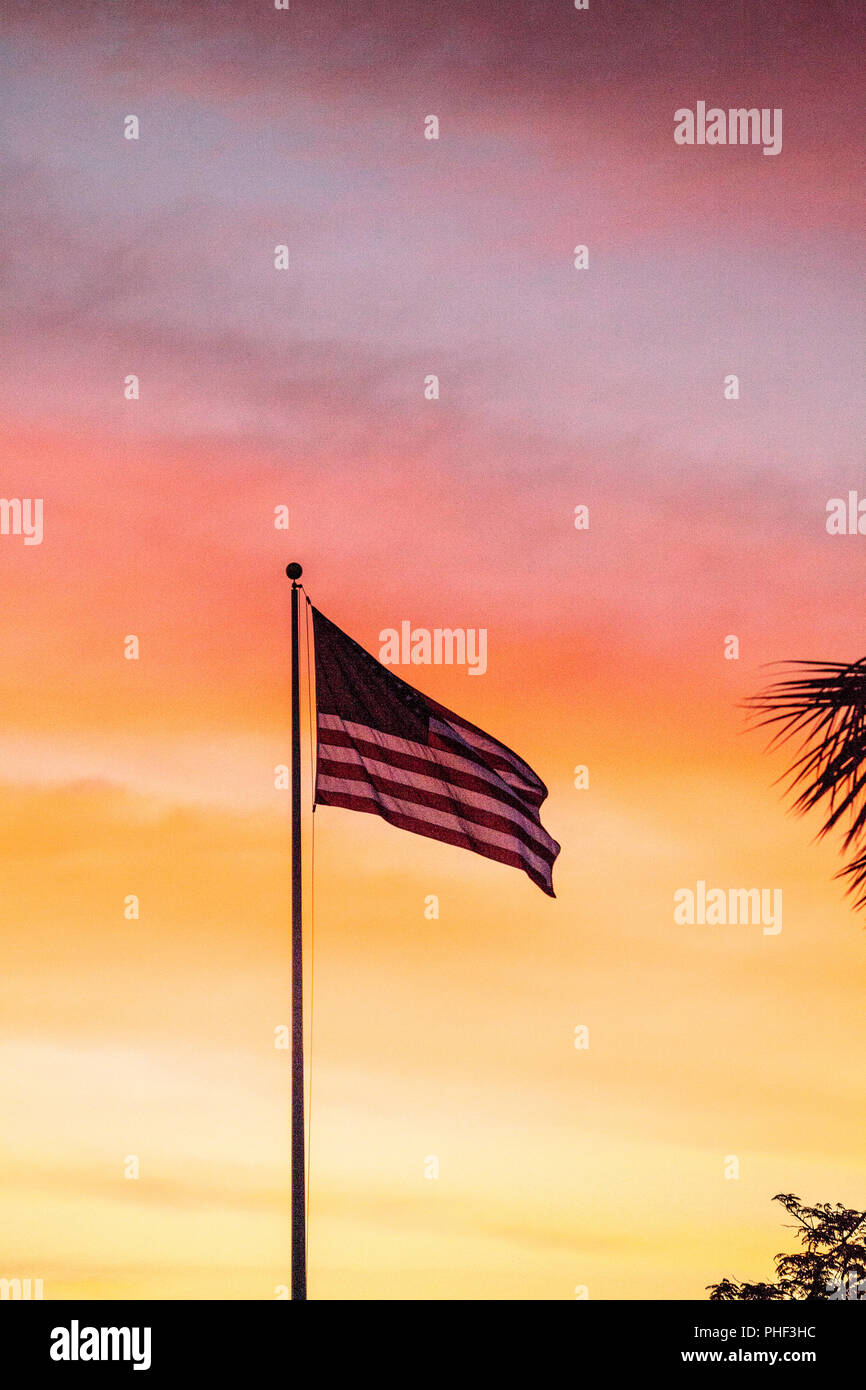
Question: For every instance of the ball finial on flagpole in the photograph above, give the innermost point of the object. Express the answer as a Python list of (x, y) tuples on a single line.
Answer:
[(294, 570)]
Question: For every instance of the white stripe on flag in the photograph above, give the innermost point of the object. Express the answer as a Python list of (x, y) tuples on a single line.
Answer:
[(489, 745), (337, 753), (437, 756), (362, 791)]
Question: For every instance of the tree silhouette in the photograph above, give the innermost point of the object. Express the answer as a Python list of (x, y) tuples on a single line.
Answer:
[(826, 707), (832, 1263)]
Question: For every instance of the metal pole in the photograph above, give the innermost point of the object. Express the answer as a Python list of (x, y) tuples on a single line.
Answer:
[(299, 1216)]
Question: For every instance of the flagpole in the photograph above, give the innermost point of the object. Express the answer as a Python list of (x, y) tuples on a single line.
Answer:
[(299, 1222)]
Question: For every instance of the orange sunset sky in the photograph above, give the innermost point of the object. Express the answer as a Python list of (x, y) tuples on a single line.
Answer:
[(559, 1168)]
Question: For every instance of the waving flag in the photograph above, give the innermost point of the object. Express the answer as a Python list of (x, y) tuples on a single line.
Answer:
[(385, 748)]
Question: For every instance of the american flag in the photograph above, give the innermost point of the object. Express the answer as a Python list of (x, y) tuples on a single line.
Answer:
[(385, 748)]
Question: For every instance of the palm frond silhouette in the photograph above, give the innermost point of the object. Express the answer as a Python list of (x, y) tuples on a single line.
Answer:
[(823, 708)]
